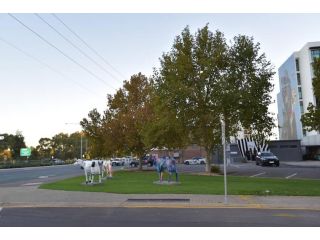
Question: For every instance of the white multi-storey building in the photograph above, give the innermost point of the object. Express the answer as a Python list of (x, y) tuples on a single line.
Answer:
[(296, 92)]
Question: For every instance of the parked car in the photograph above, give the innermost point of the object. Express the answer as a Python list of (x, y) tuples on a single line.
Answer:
[(116, 162), (195, 160), (267, 158), (58, 161), (134, 163), (147, 160), (317, 157)]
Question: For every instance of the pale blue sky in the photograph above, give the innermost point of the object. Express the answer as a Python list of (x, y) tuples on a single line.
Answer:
[(39, 101)]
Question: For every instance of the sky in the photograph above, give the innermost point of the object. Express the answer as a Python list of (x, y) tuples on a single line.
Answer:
[(42, 89)]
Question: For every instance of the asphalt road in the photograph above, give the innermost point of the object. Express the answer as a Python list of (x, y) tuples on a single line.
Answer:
[(37, 175), (156, 217)]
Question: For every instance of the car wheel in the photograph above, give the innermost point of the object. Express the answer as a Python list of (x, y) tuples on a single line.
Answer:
[(187, 163)]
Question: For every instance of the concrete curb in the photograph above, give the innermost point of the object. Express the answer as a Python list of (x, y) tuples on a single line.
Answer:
[(144, 205)]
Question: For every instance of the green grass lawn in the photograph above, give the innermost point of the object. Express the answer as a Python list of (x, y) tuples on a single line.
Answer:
[(130, 182)]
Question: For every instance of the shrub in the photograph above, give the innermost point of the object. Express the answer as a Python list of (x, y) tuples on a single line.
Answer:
[(215, 169)]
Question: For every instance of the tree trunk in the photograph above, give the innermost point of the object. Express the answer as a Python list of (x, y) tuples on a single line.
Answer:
[(140, 163), (209, 159)]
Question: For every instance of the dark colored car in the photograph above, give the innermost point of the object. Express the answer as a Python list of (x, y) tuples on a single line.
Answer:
[(134, 163), (147, 160), (267, 159)]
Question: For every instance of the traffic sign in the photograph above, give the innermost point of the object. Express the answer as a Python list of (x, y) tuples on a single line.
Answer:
[(25, 152)]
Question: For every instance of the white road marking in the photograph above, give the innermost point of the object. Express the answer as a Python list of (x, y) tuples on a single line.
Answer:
[(258, 174), (292, 175), (31, 184), (43, 176)]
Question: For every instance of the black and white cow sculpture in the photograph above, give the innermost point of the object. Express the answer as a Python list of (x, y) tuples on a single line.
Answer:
[(91, 168)]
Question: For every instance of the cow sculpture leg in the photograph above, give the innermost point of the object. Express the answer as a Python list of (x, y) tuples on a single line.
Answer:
[(177, 177), (109, 167), (86, 174)]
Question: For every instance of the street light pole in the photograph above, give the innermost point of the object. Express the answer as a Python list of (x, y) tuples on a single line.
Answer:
[(223, 137), (81, 146)]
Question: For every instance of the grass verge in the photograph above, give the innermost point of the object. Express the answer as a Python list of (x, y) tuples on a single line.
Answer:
[(135, 182)]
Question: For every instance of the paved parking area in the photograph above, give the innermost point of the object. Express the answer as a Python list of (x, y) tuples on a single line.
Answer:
[(290, 170), (284, 171)]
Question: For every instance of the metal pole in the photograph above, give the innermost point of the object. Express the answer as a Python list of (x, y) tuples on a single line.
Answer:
[(223, 128), (86, 145), (81, 146)]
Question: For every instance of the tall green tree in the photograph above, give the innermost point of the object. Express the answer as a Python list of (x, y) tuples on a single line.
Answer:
[(129, 110), (45, 148), (311, 119), (120, 130), (202, 78), (251, 73), (93, 129)]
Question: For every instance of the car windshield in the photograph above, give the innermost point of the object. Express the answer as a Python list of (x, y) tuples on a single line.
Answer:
[(266, 154)]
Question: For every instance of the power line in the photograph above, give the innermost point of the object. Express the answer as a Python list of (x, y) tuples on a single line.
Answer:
[(46, 65), (60, 51), (76, 47), (85, 43)]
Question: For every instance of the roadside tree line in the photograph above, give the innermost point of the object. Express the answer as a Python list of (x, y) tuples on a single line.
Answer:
[(10, 145), (199, 80), (62, 146)]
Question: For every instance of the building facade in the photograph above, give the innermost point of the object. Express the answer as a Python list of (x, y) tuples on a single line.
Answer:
[(296, 92)]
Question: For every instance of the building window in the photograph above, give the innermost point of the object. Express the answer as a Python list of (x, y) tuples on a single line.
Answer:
[(298, 79), (301, 107), (297, 65), (300, 92), (315, 53)]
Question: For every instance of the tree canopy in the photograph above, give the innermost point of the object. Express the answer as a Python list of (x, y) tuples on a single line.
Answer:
[(202, 78), (120, 130), (199, 80)]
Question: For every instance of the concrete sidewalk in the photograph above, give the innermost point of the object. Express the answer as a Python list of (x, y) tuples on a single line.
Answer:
[(31, 196)]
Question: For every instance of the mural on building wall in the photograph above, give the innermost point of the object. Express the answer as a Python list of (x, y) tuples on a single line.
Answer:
[(288, 111)]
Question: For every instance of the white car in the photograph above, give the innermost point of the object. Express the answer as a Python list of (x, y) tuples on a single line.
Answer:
[(195, 160), (116, 162)]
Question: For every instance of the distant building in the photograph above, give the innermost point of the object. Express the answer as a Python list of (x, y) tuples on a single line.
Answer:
[(295, 82)]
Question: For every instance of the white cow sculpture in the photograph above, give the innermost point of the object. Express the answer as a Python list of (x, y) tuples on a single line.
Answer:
[(107, 168), (91, 168)]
